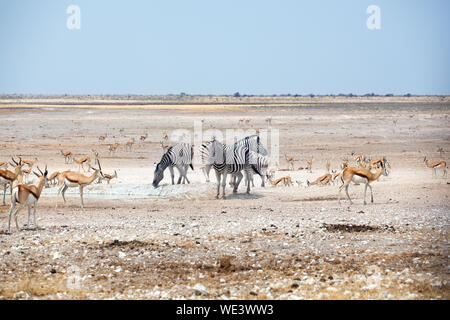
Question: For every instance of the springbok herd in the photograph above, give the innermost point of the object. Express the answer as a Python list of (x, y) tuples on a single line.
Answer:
[(248, 156)]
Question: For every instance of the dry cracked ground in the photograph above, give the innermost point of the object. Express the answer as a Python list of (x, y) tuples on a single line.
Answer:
[(276, 243)]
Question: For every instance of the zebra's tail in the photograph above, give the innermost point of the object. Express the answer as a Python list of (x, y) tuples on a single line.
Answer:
[(256, 170)]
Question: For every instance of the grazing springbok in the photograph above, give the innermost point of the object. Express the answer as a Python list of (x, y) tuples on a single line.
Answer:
[(364, 176), (29, 163), (108, 177), (144, 137), (325, 179), (436, 165), (28, 196), (69, 179), (52, 179), (287, 181), (7, 177)]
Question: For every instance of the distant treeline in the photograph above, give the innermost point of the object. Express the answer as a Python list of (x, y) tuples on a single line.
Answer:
[(186, 95)]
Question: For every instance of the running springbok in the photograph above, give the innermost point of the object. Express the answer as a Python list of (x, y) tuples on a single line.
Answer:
[(360, 175), (25, 195), (8, 177), (435, 165)]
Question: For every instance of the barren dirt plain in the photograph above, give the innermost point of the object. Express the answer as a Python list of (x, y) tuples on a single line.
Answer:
[(132, 242)]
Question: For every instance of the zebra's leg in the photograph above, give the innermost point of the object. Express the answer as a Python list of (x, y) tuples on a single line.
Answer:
[(218, 184), (237, 182), (207, 170), (247, 176), (186, 168), (180, 171), (172, 175), (224, 182)]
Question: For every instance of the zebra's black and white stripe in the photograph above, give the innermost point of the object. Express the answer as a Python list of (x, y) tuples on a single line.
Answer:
[(179, 156), (253, 143), (260, 163), (204, 155), (232, 159)]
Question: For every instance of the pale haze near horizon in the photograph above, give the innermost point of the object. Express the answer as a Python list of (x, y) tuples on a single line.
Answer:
[(222, 47)]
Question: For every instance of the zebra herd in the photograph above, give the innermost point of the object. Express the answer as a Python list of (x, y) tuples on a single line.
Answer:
[(248, 155)]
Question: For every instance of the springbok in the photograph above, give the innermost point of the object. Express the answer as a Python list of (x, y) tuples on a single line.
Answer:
[(364, 175), (69, 179), (25, 195), (8, 177), (83, 161), (67, 156), (435, 165), (325, 179)]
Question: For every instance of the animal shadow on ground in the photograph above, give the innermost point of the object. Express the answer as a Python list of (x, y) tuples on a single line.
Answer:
[(243, 196)]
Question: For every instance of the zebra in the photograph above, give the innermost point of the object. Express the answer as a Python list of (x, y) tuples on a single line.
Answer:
[(229, 159), (204, 153), (179, 156), (261, 163), (253, 143)]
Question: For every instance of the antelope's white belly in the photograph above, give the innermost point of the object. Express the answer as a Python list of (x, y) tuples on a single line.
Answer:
[(70, 184), (359, 180), (30, 200)]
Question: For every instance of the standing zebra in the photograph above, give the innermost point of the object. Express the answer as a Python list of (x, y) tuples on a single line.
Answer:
[(179, 156), (204, 153), (260, 162), (231, 159), (253, 143)]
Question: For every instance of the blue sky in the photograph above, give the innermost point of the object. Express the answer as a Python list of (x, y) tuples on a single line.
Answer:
[(220, 47)]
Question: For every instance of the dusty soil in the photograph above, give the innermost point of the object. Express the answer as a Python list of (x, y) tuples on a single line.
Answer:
[(276, 243)]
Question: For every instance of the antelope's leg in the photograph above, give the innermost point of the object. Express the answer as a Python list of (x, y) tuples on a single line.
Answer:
[(4, 193), (13, 204), (371, 193), (346, 191), (64, 188), (16, 214), (28, 217), (81, 196), (365, 189)]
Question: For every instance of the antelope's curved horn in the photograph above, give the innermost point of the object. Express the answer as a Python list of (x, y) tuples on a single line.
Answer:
[(40, 171), (37, 175)]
